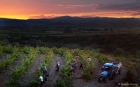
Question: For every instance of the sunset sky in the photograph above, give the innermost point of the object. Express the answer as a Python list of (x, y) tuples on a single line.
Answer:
[(25, 9)]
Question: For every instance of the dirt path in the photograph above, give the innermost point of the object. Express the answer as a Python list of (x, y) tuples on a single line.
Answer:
[(77, 72), (4, 56), (28, 76), (53, 75), (5, 75)]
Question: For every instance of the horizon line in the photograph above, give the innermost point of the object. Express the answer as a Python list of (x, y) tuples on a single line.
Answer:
[(70, 17)]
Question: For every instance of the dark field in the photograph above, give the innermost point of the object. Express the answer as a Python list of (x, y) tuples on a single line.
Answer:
[(24, 49)]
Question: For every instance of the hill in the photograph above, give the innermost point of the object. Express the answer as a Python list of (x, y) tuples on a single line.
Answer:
[(67, 21)]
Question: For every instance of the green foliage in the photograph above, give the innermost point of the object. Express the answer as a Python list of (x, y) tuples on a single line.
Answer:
[(48, 55), (65, 80), (3, 43), (87, 67), (15, 75), (4, 39), (15, 54), (13, 83), (8, 49), (68, 30), (26, 50), (9, 60), (131, 66), (132, 58), (6, 84), (47, 61), (67, 56), (102, 59), (119, 52), (138, 53), (58, 50), (1, 49), (64, 71), (129, 77), (35, 81), (87, 71)]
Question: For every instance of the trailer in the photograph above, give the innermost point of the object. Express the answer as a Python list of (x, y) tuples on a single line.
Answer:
[(117, 67), (109, 71)]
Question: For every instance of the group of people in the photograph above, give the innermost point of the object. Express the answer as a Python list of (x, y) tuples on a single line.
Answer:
[(45, 74), (72, 65)]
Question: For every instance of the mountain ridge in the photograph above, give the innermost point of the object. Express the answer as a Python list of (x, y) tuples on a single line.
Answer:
[(67, 21)]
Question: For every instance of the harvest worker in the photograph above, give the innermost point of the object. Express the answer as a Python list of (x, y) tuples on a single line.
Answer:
[(41, 81), (44, 69), (58, 65), (74, 63), (72, 52), (72, 69), (89, 59)]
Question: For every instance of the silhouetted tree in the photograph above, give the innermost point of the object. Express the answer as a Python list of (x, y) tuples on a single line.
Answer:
[(68, 30), (106, 29)]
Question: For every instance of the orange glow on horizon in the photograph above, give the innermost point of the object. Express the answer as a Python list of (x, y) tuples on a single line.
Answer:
[(14, 17), (110, 14), (49, 17)]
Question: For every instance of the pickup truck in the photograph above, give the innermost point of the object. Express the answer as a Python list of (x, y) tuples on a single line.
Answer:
[(109, 71)]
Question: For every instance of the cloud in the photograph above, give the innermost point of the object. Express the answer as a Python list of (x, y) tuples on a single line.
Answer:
[(136, 14), (74, 8), (86, 5), (135, 6), (77, 5), (59, 5)]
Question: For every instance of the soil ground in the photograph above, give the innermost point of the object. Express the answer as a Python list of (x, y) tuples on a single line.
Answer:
[(4, 56), (28, 76), (53, 74), (5, 74)]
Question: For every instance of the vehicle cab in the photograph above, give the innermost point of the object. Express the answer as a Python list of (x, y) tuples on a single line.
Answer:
[(107, 70), (107, 67)]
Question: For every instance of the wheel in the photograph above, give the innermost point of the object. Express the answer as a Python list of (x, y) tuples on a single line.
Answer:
[(119, 72), (113, 77), (45, 79), (106, 79), (100, 79)]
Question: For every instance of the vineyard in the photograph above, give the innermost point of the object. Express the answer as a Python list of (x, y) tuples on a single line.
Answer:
[(21, 66)]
